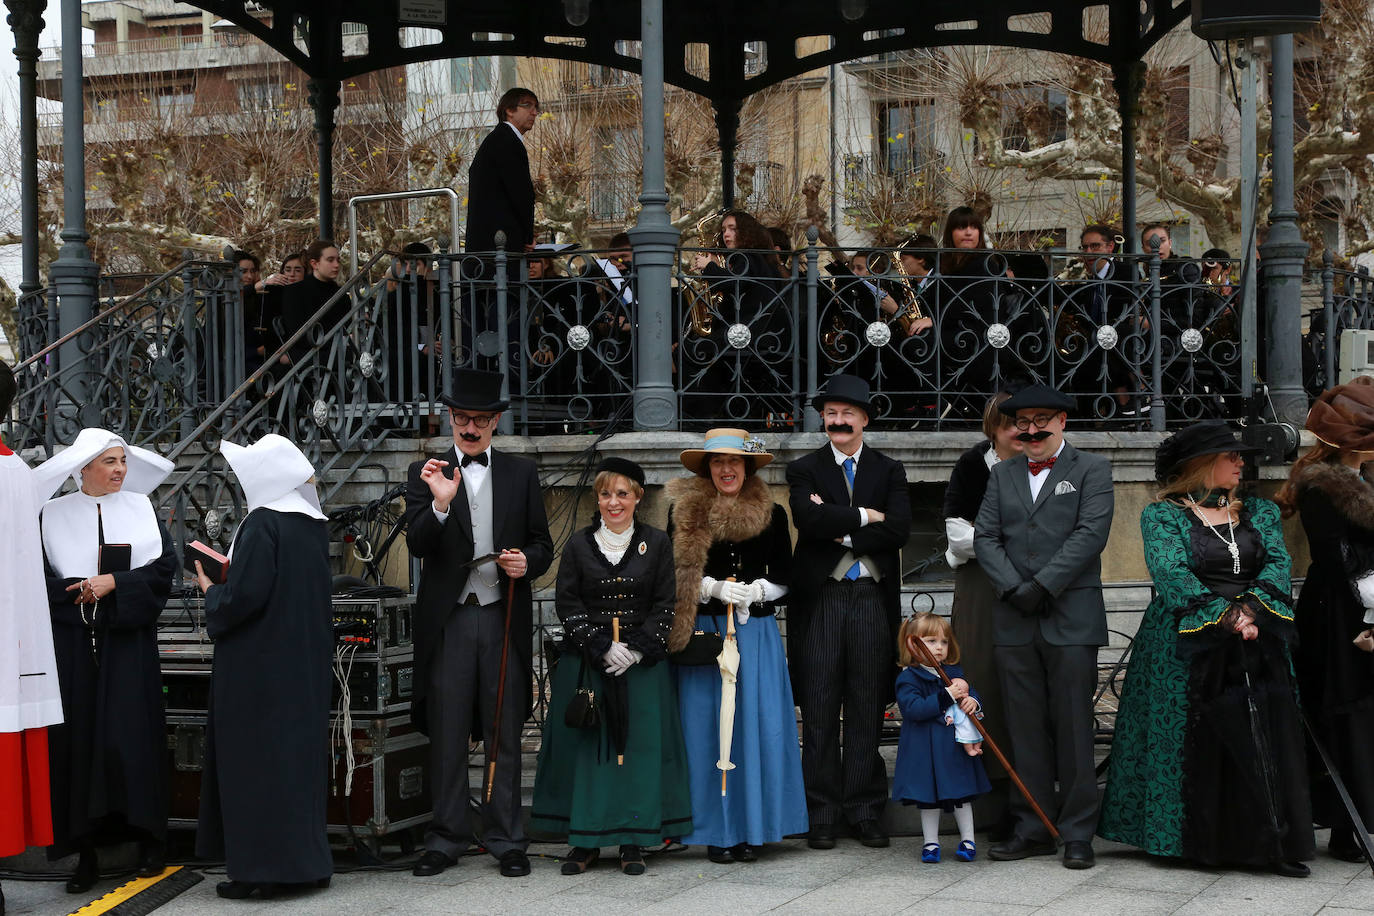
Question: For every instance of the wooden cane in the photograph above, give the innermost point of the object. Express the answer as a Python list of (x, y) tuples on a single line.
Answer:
[(500, 693), (615, 637), (924, 651)]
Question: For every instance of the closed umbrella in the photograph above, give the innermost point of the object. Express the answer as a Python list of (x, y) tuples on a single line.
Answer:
[(729, 674)]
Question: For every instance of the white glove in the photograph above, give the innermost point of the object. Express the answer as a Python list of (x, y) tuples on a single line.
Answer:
[(713, 588), (623, 661), (741, 595)]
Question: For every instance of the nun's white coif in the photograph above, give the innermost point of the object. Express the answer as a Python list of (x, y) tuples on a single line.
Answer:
[(274, 474)]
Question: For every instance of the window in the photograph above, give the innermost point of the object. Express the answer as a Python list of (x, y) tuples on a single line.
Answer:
[(906, 135), (174, 101), (613, 186), (1033, 115), (755, 57), (259, 96), (470, 74)]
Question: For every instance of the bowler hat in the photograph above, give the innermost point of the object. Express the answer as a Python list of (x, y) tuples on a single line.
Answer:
[(1208, 437), (849, 389), (1036, 395), (1344, 416), (725, 441), (475, 389)]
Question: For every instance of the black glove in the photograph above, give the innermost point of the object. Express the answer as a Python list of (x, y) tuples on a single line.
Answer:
[(1030, 598)]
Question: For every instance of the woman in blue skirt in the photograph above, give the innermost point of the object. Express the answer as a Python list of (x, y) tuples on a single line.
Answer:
[(732, 546)]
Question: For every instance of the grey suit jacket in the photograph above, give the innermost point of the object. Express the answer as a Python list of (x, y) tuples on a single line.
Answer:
[(1057, 539)]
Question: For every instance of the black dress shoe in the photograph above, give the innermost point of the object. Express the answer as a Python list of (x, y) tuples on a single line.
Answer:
[(870, 834), (631, 859), (242, 890), (579, 859), (1079, 854), (1019, 847), (86, 874), (743, 852), (822, 836), (152, 862), (515, 864), (1343, 845), (432, 862), (1290, 869), (719, 855)]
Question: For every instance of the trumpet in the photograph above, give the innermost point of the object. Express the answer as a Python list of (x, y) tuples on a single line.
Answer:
[(904, 292)]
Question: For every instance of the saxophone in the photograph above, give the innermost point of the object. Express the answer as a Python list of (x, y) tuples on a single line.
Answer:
[(904, 292)]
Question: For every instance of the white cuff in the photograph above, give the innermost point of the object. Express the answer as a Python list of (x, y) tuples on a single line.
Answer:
[(1364, 587), (771, 590), (847, 541), (441, 516), (959, 533), (863, 517)]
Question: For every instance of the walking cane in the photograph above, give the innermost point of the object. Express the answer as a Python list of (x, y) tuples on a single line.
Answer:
[(927, 659), (615, 637), (500, 692)]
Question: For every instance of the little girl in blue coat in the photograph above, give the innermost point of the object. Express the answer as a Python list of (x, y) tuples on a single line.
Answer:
[(934, 771)]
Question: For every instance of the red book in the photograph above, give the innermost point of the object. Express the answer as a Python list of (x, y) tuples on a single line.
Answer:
[(216, 565)]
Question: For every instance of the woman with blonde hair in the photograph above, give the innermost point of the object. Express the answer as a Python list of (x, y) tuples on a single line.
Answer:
[(1206, 761), (1327, 486)]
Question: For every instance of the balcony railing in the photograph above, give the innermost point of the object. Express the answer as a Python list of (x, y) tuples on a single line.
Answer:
[(1142, 341)]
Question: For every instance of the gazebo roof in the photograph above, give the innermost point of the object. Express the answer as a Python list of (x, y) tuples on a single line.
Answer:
[(705, 40)]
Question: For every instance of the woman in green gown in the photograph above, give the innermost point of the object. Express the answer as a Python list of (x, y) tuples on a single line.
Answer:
[(621, 780), (1207, 760)]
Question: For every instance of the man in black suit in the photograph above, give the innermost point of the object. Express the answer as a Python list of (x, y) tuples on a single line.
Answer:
[(852, 510), (500, 192), (475, 502), (1039, 537)]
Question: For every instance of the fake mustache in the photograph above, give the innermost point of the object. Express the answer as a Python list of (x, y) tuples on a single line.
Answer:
[(839, 428), (1037, 436), (470, 437)]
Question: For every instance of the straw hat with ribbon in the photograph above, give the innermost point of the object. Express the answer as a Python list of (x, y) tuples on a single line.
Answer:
[(724, 441)]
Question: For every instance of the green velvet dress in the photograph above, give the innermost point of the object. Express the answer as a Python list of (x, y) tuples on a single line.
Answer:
[(581, 792), (1206, 760)]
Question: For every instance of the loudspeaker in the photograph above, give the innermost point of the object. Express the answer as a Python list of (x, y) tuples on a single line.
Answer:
[(1219, 20)]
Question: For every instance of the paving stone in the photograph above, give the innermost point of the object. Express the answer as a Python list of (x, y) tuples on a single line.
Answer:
[(1257, 893), (1092, 900)]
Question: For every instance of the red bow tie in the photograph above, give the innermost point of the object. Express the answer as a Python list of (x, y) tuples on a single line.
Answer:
[(1037, 466)]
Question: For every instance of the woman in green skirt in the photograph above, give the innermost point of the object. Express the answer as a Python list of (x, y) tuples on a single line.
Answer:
[(613, 771)]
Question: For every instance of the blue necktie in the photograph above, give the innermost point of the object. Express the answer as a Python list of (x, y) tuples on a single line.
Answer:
[(854, 570)]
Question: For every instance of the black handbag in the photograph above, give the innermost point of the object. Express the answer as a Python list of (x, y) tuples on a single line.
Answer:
[(702, 649), (582, 711)]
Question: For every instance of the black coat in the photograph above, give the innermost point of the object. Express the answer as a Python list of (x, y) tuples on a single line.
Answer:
[(638, 591), (109, 757), (967, 483), (520, 522), (1335, 679), (301, 300), (879, 483), (265, 784), (500, 193)]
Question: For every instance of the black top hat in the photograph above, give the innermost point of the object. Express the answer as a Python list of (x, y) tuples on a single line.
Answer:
[(1037, 395), (847, 388), (475, 389), (1208, 437)]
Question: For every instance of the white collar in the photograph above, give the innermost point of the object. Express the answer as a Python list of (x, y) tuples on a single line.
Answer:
[(71, 531), (517, 131), (841, 457)]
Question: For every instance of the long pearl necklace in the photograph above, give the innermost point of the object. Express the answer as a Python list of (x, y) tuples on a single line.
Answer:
[(613, 544), (1232, 547)]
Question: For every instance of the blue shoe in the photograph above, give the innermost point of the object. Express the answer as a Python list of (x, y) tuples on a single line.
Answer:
[(966, 852), (930, 853)]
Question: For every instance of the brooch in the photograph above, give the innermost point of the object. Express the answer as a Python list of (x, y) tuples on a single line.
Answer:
[(643, 548)]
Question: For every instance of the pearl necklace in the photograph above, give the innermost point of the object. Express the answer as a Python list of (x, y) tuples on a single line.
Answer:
[(1232, 547), (613, 545)]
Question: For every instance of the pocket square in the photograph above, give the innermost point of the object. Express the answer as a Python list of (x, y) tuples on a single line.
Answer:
[(1063, 487)]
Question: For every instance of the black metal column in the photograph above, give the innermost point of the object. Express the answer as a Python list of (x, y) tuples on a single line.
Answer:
[(1126, 78), (324, 98), (26, 19), (727, 130)]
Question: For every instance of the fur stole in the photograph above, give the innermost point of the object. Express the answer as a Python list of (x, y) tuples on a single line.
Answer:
[(1349, 493), (701, 517)]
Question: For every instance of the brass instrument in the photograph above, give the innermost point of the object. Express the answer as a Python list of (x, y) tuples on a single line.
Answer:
[(904, 293), (702, 301)]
